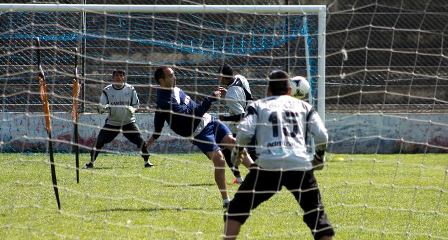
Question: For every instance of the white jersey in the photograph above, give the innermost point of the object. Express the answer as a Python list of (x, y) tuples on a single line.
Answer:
[(119, 100), (235, 99), (281, 128)]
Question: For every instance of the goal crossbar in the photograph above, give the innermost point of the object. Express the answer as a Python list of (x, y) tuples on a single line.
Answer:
[(111, 8)]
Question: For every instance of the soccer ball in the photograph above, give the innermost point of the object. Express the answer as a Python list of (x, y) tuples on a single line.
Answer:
[(299, 87)]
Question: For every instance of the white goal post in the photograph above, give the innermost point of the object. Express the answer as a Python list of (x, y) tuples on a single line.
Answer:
[(319, 10)]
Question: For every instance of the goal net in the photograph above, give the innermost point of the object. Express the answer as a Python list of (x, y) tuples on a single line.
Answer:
[(196, 40), (377, 75)]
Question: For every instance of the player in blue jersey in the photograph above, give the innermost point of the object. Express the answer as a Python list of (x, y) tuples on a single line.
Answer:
[(190, 119), (281, 124), (120, 100)]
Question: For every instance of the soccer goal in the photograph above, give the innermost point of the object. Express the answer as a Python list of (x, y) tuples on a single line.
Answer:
[(195, 39)]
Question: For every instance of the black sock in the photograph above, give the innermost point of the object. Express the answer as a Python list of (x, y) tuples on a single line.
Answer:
[(228, 157)]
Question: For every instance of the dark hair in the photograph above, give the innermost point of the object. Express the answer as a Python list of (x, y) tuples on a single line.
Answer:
[(278, 82), (226, 71), (158, 74), (118, 72)]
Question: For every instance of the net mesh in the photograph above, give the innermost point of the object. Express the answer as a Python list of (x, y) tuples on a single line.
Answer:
[(386, 92), (196, 44), (387, 57), (18, 59)]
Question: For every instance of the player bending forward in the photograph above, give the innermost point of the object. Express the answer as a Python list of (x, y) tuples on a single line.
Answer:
[(120, 100), (189, 119), (280, 124)]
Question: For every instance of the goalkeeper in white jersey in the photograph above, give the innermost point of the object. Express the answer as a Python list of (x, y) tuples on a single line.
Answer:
[(237, 96), (120, 100), (281, 124)]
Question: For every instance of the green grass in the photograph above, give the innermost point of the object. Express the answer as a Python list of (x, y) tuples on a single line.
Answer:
[(366, 197)]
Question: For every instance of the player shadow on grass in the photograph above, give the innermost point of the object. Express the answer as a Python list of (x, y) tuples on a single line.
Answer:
[(178, 209), (190, 185), (103, 168)]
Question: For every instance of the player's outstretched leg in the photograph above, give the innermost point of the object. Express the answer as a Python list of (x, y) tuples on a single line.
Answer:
[(231, 229), (132, 133), (145, 155), (106, 135), (220, 175), (236, 172), (310, 201)]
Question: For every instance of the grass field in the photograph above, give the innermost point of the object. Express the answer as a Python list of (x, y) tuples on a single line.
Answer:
[(366, 197)]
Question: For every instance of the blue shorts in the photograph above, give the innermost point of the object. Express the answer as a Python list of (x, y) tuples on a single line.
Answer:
[(209, 138)]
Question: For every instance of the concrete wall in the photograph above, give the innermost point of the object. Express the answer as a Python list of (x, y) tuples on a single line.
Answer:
[(361, 133), (388, 133), (26, 133)]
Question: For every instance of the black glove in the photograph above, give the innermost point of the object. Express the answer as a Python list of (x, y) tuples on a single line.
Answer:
[(237, 155), (318, 160)]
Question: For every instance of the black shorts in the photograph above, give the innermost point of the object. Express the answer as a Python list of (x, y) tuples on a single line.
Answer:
[(302, 185), (130, 131)]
